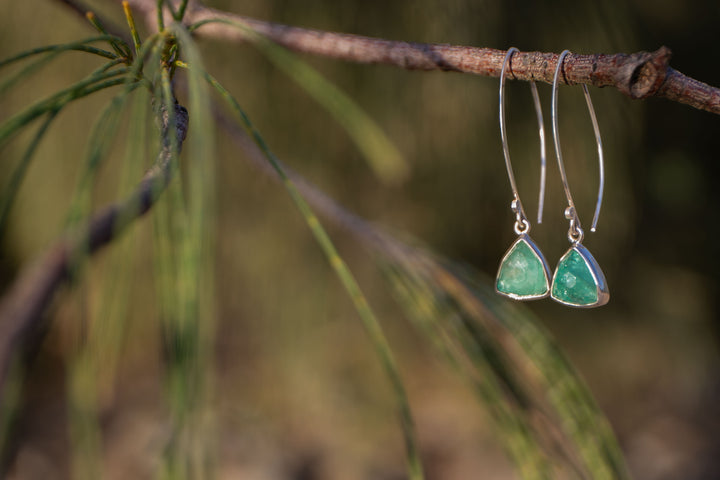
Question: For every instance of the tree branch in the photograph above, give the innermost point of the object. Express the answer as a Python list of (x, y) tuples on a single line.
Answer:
[(23, 304), (639, 75)]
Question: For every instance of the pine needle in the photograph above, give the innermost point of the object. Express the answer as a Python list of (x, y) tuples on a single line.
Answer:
[(382, 155), (370, 321)]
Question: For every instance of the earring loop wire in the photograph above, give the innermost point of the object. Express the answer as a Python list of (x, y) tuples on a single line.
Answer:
[(521, 218), (571, 212)]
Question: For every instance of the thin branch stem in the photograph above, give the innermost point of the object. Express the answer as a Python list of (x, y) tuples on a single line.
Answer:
[(639, 75), (23, 304)]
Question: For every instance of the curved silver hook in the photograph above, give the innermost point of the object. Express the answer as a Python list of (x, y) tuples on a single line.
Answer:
[(571, 212), (543, 156), (517, 204)]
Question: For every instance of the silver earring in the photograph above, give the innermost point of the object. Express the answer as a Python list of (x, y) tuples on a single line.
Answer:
[(578, 280), (523, 273)]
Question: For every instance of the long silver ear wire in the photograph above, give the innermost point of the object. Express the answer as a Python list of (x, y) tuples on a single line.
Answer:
[(543, 156), (523, 273), (521, 218), (578, 280)]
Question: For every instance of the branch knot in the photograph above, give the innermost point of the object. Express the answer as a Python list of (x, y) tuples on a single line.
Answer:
[(641, 75)]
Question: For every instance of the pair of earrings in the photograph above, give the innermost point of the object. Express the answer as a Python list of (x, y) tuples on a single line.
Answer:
[(524, 274)]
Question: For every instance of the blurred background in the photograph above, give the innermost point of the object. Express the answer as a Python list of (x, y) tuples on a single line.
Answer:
[(299, 390)]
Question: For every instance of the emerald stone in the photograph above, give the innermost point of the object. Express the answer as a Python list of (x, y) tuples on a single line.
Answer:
[(578, 280), (523, 272)]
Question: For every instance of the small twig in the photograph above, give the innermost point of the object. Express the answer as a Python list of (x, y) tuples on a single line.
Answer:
[(23, 304)]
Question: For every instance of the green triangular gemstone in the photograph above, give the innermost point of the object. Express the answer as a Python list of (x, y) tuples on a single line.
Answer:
[(578, 280), (523, 272)]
